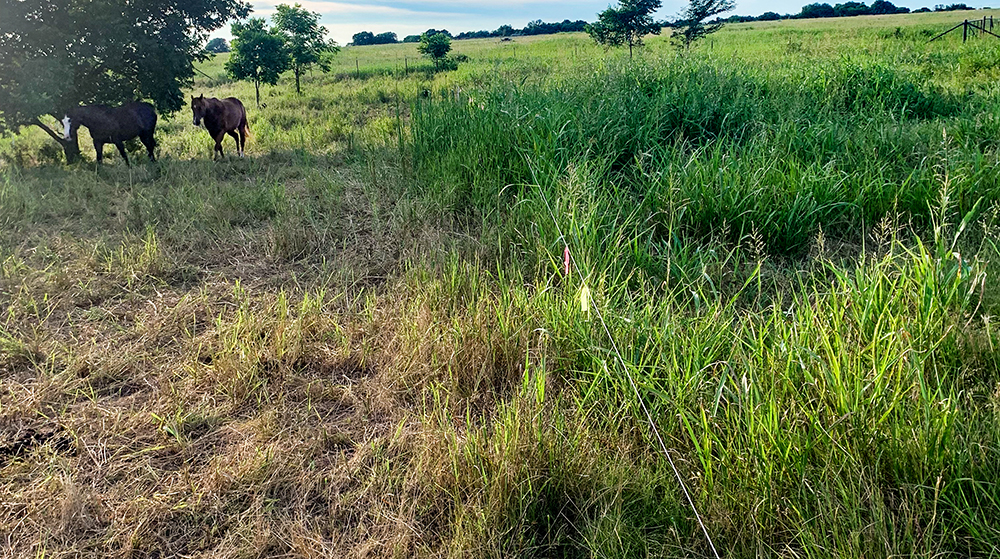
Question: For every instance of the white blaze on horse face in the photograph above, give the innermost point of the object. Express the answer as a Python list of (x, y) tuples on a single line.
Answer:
[(66, 121)]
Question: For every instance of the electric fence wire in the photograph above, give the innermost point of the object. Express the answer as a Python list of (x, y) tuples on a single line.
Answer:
[(631, 381)]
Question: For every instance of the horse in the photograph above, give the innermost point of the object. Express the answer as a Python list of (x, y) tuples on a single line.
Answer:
[(113, 125), (222, 116)]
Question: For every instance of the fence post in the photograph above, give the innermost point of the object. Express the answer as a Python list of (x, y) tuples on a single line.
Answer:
[(357, 66), (406, 65), (965, 30)]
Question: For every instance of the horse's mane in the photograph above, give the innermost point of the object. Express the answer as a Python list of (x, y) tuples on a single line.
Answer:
[(103, 108), (99, 108)]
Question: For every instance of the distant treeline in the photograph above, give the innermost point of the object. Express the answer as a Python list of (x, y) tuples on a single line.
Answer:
[(369, 38), (537, 27), (847, 9)]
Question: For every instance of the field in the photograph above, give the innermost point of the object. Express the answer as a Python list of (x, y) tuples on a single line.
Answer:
[(362, 339)]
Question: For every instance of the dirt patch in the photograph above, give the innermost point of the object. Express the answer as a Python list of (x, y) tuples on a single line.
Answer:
[(15, 444)]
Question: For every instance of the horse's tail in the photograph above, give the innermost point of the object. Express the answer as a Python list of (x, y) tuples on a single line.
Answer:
[(245, 125)]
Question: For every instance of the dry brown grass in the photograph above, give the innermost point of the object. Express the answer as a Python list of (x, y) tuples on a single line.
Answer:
[(265, 408), (257, 401), (264, 398)]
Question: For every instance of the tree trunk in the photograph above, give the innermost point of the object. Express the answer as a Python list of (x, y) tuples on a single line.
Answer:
[(298, 91), (256, 86), (630, 50), (72, 151), (70, 147)]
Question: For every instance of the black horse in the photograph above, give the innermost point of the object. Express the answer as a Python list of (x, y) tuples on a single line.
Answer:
[(113, 125), (222, 116)]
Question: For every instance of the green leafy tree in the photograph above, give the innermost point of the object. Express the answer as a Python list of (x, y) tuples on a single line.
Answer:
[(883, 7), (436, 46), (304, 39), (363, 38), (433, 31), (850, 9), (692, 26), (217, 46), (625, 24), (58, 54), (816, 9), (259, 54)]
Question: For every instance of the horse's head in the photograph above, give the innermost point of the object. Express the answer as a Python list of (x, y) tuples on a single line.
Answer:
[(198, 107), (70, 123)]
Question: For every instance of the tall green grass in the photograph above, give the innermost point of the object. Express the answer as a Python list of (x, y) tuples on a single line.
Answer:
[(711, 143), (798, 267)]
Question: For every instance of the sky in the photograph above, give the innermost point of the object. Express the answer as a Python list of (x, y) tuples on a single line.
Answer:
[(344, 18)]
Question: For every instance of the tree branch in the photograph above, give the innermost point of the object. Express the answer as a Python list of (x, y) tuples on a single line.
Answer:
[(48, 131)]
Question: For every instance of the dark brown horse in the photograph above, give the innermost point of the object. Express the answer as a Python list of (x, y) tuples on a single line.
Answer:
[(113, 125), (222, 116)]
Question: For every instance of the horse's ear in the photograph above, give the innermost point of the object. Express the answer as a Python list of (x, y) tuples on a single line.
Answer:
[(202, 96)]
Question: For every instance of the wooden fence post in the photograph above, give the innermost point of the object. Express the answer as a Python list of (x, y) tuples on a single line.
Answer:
[(357, 66), (965, 30)]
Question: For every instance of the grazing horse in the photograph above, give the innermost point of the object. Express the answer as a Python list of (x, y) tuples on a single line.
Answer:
[(113, 125), (222, 116)]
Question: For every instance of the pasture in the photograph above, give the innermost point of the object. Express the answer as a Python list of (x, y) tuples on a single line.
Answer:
[(361, 340)]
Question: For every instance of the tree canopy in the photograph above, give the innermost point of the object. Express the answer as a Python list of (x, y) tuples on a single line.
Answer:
[(817, 9), (304, 39), (217, 46), (850, 9), (259, 54), (369, 38), (57, 54), (625, 24), (436, 46), (431, 32), (692, 25)]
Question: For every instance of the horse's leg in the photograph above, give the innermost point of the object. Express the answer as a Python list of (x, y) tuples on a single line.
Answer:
[(218, 143), (236, 139), (150, 143), (243, 140), (121, 150), (99, 148)]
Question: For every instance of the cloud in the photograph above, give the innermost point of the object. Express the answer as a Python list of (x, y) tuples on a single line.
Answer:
[(345, 8)]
